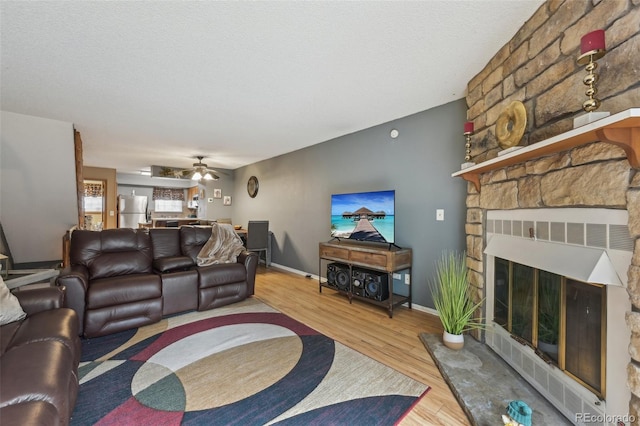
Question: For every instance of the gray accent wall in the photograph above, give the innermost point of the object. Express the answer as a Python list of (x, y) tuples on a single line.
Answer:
[(295, 189)]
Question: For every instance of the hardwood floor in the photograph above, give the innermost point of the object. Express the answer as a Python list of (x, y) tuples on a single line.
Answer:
[(369, 330)]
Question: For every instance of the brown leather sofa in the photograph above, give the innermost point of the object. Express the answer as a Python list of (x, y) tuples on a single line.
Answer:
[(39, 358), (125, 278)]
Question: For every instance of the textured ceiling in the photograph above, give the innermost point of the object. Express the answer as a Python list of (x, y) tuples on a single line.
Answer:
[(237, 82)]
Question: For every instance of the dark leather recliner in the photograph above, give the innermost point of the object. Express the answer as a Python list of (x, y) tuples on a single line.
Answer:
[(221, 284), (39, 358), (111, 283), (188, 286)]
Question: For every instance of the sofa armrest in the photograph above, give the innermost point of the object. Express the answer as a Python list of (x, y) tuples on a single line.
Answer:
[(36, 300), (76, 281), (250, 261)]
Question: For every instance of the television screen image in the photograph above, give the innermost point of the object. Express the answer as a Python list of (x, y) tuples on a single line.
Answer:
[(364, 216)]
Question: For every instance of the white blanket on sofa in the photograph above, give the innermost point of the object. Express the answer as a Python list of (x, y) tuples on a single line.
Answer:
[(223, 246)]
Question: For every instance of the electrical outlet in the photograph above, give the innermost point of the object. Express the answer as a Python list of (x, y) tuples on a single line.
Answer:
[(397, 276), (407, 279), (440, 214)]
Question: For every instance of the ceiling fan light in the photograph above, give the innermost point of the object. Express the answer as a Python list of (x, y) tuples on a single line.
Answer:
[(208, 176), (196, 176)]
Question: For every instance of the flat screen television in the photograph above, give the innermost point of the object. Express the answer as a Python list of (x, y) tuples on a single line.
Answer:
[(364, 216)]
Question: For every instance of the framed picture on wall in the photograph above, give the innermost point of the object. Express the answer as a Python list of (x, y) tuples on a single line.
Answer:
[(217, 193), (226, 200)]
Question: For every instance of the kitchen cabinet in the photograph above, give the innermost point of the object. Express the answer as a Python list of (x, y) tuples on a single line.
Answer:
[(193, 197), (192, 193)]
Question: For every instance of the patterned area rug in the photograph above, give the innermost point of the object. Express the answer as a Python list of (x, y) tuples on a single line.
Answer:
[(244, 364)]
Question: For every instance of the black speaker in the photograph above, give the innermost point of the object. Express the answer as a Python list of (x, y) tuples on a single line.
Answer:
[(358, 277), (338, 276), (375, 285)]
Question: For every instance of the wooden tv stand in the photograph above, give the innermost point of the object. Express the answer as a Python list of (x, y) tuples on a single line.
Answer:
[(368, 257)]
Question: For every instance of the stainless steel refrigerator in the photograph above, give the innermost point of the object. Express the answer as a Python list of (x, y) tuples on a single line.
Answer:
[(132, 210)]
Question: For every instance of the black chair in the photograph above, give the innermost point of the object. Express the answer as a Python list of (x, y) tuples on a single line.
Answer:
[(258, 238)]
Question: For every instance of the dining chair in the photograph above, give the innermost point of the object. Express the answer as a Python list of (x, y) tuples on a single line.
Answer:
[(258, 238), (224, 220)]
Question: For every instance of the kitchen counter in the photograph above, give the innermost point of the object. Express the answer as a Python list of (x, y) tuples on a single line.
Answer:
[(161, 222)]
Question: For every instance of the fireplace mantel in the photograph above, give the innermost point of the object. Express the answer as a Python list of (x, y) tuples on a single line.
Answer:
[(621, 129)]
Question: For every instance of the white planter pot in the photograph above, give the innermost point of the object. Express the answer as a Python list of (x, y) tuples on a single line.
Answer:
[(453, 341)]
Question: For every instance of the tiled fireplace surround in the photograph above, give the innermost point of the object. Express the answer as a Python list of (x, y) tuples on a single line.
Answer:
[(538, 67), (591, 244)]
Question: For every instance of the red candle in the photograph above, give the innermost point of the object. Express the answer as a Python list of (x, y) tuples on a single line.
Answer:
[(592, 41), (468, 127)]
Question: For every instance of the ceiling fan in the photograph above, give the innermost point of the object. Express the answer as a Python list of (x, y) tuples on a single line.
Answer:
[(201, 171)]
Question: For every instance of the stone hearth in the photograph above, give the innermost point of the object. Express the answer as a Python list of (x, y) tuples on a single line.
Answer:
[(484, 384)]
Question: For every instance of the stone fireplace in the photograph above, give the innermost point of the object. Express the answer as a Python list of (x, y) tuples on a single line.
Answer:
[(569, 188), (553, 232)]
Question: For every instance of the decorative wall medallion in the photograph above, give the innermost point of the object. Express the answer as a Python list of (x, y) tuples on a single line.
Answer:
[(510, 125), (252, 186)]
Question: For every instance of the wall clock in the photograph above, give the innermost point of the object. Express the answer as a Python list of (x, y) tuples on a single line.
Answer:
[(252, 186)]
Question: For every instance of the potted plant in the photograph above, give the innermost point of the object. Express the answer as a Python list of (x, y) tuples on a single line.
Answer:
[(450, 294)]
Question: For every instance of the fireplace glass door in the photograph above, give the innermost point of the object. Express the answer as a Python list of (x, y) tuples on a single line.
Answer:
[(585, 332), (562, 319), (522, 302), (549, 304), (501, 306)]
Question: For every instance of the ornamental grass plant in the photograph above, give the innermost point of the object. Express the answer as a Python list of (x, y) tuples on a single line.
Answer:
[(450, 293)]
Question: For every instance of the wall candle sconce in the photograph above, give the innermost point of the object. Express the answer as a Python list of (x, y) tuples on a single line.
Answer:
[(468, 131), (592, 48)]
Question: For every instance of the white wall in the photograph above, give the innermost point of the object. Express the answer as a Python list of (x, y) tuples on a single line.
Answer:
[(38, 200)]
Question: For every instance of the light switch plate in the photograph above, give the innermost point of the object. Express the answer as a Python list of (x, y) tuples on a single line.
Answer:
[(440, 214)]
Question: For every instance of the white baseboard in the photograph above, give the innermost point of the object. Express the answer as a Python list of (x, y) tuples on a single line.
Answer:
[(425, 309), (294, 271)]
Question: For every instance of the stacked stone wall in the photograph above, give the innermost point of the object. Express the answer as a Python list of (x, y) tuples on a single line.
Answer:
[(538, 67)]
